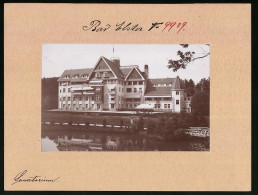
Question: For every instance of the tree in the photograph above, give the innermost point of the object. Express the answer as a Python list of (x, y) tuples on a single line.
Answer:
[(203, 85), (49, 93), (200, 103), (185, 58), (189, 87)]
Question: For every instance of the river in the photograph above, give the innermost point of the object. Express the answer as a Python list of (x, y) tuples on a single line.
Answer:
[(63, 140)]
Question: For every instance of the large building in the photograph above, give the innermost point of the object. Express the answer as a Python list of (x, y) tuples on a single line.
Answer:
[(109, 86)]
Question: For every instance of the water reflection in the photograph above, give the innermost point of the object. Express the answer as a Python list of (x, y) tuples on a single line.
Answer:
[(57, 140)]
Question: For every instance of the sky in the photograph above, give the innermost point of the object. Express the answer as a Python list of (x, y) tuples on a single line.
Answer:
[(56, 58)]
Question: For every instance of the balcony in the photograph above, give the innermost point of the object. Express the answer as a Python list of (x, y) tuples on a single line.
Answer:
[(133, 95), (162, 110), (112, 101)]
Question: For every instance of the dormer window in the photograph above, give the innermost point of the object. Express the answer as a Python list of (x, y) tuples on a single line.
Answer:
[(76, 76), (84, 76), (66, 77)]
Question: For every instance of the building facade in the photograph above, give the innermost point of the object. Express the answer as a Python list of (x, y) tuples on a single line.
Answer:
[(109, 86)]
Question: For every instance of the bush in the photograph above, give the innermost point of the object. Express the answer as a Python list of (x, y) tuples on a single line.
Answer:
[(151, 126), (104, 123), (140, 124), (161, 123)]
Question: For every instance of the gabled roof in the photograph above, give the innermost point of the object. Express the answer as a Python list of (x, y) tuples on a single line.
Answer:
[(164, 90), (115, 68), (139, 72), (79, 72), (126, 70), (158, 91), (162, 81)]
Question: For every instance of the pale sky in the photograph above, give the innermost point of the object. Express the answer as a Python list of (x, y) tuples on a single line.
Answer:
[(58, 57)]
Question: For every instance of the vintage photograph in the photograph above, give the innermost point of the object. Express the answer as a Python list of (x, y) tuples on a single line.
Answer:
[(125, 97)]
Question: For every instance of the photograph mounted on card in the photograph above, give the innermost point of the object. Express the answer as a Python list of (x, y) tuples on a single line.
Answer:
[(127, 97), (160, 103)]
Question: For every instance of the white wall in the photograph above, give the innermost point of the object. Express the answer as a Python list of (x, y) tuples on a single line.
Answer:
[(176, 97)]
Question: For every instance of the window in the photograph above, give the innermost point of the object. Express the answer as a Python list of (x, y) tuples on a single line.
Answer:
[(157, 105), (135, 89), (128, 90), (63, 98), (122, 89), (60, 99), (177, 92), (135, 82), (69, 90), (63, 90), (69, 98), (86, 98), (167, 99), (112, 98), (84, 76), (98, 98), (130, 83), (168, 105), (105, 74), (97, 74), (128, 105), (140, 82), (140, 90), (112, 105), (177, 101), (75, 76), (98, 89), (86, 105), (165, 105), (80, 98)]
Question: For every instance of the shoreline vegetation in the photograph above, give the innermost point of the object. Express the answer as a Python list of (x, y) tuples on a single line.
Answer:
[(164, 127)]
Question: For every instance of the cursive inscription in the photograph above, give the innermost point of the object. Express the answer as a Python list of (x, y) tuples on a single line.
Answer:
[(170, 26), (21, 177)]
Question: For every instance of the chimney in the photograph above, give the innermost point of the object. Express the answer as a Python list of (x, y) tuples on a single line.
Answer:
[(116, 61), (146, 70)]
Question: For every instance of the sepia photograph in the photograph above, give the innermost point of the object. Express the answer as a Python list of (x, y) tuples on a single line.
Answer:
[(125, 97)]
